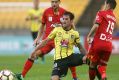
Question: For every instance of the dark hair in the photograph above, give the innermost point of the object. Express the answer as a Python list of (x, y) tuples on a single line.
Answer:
[(112, 3), (70, 14)]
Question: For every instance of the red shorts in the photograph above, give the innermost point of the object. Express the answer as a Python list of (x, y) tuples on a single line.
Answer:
[(99, 54), (48, 47)]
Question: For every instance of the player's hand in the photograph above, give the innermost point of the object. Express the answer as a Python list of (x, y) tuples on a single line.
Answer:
[(89, 40), (36, 42), (84, 59)]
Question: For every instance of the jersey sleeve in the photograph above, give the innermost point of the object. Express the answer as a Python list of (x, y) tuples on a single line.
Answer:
[(98, 18), (53, 34), (77, 39)]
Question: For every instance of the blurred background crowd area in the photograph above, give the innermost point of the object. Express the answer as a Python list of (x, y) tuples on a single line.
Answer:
[(14, 12), (15, 33)]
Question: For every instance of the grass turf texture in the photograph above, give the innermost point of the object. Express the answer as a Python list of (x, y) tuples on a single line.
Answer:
[(43, 71)]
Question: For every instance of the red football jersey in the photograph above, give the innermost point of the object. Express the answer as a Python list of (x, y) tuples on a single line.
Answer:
[(50, 19), (103, 35)]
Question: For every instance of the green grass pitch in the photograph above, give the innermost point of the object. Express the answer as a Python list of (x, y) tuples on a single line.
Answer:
[(43, 71)]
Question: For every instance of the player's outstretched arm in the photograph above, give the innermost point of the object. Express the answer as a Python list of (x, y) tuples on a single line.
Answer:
[(81, 48), (41, 30), (83, 51), (92, 31), (43, 43)]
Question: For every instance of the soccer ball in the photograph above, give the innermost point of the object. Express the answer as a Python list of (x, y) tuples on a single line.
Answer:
[(6, 75)]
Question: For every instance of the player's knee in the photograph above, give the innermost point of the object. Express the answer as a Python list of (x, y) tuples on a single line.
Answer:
[(55, 77), (39, 53), (103, 63), (33, 55), (92, 65)]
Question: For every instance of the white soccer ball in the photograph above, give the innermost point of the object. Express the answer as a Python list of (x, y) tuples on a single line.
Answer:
[(6, 75)]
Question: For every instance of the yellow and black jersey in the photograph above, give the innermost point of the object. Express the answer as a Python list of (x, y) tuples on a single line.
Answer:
[(35, 22), (64, 42)]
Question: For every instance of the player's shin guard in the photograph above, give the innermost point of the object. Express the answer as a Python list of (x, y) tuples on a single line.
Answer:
[(73, 71), (102, 71), (27, 67), (92, 73)]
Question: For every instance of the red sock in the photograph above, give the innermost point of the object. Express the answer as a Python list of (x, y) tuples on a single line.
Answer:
[(92, 73), (102, 71), (27, 67), (73, 71)]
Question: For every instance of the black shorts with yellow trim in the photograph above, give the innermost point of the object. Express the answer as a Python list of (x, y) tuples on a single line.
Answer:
[(60, 67)]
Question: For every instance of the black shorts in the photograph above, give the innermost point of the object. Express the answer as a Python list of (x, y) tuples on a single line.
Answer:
[(60, 67), (34, 35)]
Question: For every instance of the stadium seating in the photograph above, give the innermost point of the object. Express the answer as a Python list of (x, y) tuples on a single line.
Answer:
[(117, 12), (19, 0), (15, 0), (77, 7), (12, 18)]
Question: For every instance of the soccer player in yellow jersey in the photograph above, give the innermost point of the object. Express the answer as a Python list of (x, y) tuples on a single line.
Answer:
[(34, 15), (65, 38)]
